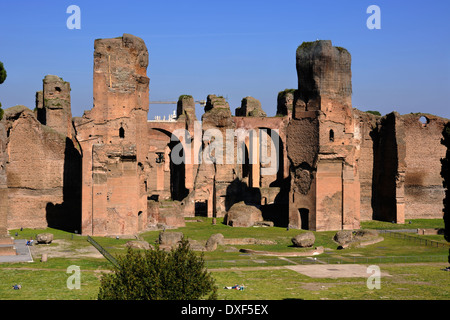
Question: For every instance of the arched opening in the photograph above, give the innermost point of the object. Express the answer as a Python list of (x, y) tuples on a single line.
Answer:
[(246, 166), (140, 220), (122, 133), (169, 176), (424, 121), (275, 156), (331, 135)]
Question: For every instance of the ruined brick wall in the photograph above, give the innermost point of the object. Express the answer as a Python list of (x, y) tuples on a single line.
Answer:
[(324, 75), (159, 172), (3, 182), (115, 190), (118, 120), (54, 110), (212, 180), (35, 170), (423, 188), (407, 167), (302, 150), (324, 94), (250, 107), (367, 124), (388, 167)]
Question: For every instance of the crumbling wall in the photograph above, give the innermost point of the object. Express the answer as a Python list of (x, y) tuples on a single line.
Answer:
[(305, 133), (53, 105), (35, 171), (423, 188), (323, 98), (285, 102), (407, 182), (115, 182), (212, 179), (324, 75), (367, 126), (3, 182), (250, 107), (389, 170), (117, 120)]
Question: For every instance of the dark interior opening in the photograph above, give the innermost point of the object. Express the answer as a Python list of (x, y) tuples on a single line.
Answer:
[(331, 135), (304, 218), (201, 208)]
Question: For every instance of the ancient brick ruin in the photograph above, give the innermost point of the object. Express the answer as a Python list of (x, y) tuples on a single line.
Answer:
[(112, 171)]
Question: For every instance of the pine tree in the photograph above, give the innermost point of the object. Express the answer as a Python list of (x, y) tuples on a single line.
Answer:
[(2, 79), (2, 73)]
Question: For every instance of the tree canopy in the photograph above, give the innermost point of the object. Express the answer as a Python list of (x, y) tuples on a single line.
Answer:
[(2, 73)]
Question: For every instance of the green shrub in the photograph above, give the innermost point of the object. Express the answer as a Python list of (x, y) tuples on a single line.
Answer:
[(1, 112), (2, 73), (159, 275), (184, 96), (377, 113)]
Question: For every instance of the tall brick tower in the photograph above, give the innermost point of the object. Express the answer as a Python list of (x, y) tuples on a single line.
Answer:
[(113, 138), (324, 177)]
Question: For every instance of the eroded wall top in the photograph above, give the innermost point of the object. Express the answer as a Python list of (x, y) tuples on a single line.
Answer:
[(324, 71), (120, 78)]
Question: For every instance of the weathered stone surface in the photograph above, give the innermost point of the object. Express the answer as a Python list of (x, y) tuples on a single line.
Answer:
[(365, 234), (135, 244), (285, 102), (152, 213), (213, 241), (55, 111), (45, 238), (250, 107), (42, 173), (358, 238), (264, 224), (243, 241), (114, 139), (242, 215), (302, 240), (174, 220), (170, 238), (217, 113), (8, 251), (343, 237), (324, 71), (186, 109), (335, 166)]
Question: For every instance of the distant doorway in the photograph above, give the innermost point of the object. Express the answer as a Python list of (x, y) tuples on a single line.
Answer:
[(304, 218), (201, 208)]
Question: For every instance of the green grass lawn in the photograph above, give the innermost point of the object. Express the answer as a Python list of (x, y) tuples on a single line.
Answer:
[(416, 282), (407, 281), (415, 224), (422, 282)]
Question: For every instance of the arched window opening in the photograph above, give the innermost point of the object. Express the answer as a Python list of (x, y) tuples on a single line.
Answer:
[(121, 133), (424, 121), (331, 135)]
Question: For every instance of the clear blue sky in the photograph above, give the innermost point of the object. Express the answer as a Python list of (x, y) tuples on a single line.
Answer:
[(233, 48)]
